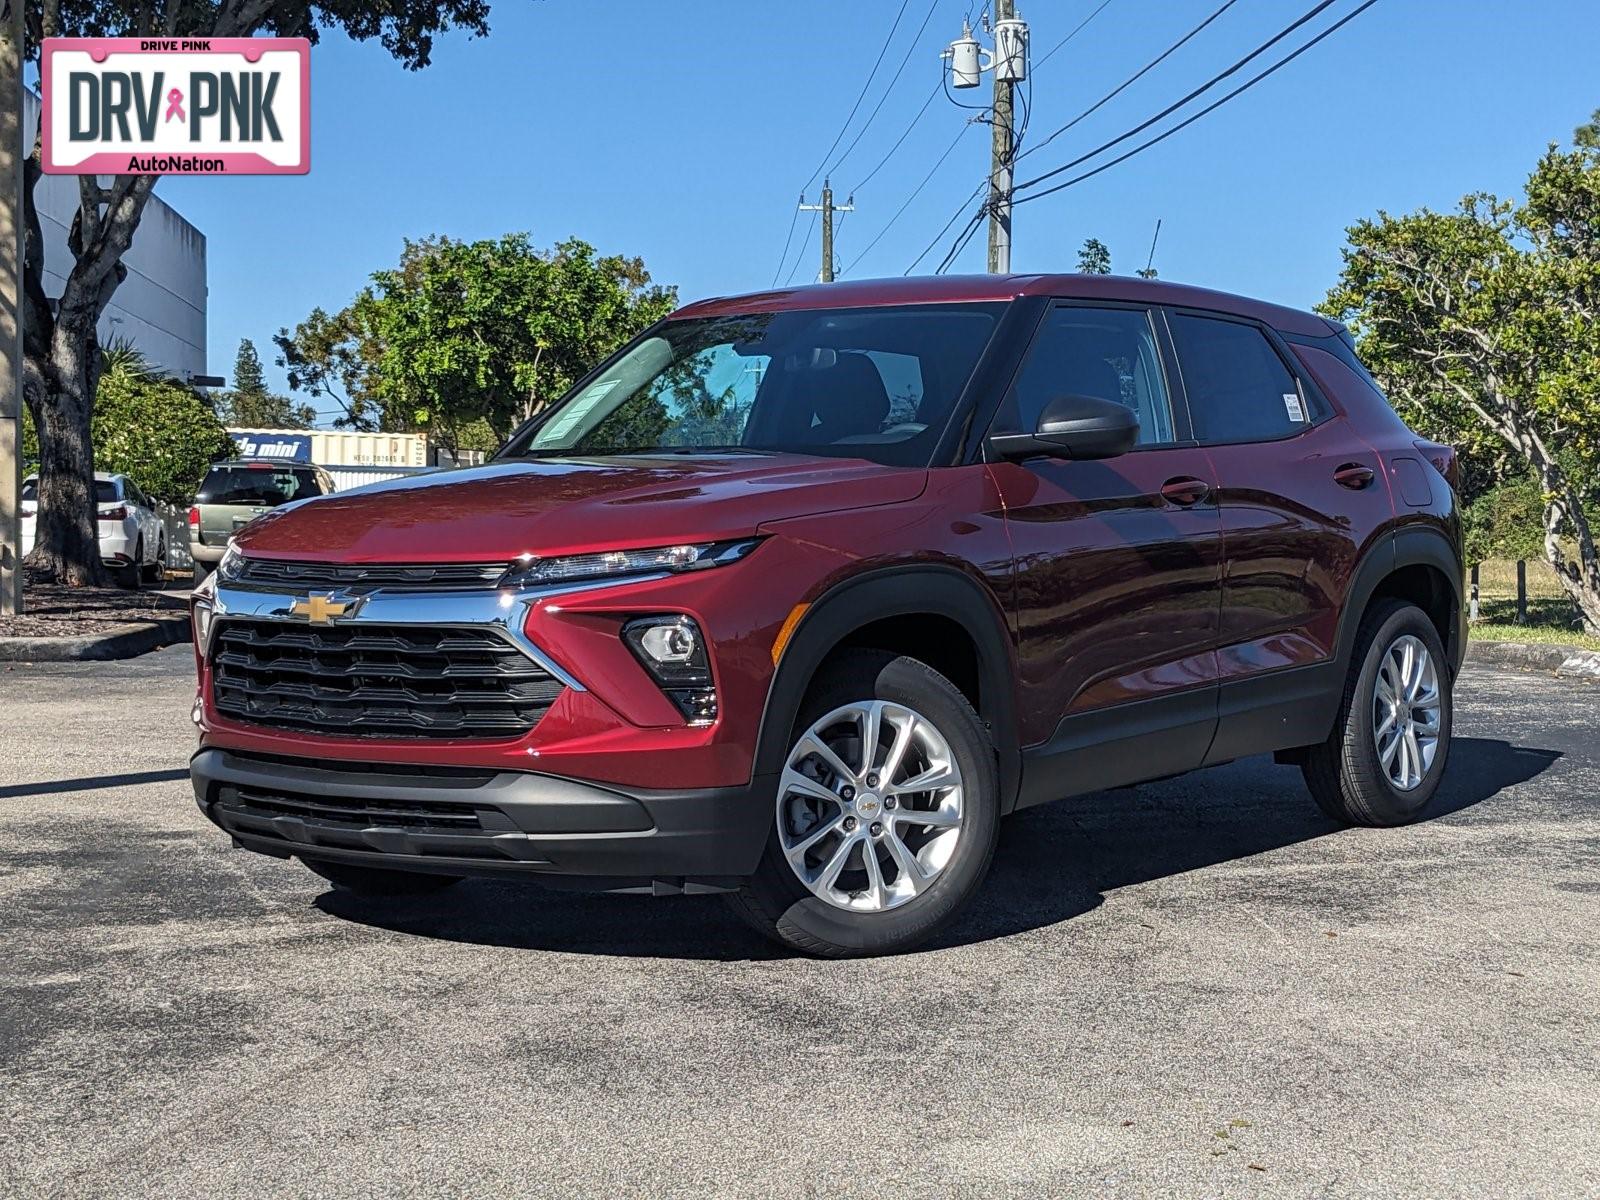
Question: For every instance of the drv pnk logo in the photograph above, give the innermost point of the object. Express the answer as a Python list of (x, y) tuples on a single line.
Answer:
[(208, 106)]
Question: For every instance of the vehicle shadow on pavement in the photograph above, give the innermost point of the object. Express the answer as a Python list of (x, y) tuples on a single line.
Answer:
[(1053, 863), (92, 783)]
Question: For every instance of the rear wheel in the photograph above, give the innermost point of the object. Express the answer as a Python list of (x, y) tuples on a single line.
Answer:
[(886, 813), (131, 576), (156, 571), (375, 881), (201, 571), (1386, 755)]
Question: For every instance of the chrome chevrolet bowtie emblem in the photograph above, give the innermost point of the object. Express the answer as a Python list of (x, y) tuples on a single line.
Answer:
[(321, 610)]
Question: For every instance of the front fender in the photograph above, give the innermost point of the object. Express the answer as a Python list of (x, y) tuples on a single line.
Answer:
[(891, 592)]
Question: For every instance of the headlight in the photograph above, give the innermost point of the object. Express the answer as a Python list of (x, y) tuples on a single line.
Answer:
[(232, 564), (673, 650), (574, 568)]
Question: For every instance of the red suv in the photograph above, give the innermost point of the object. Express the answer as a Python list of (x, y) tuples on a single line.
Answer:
[(800, 593)]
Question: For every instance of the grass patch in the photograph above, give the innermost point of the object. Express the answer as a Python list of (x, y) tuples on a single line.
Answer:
[(1487, 631), (1552, 619)]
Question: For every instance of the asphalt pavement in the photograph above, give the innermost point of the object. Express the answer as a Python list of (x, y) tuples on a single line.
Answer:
[(1194, 988)]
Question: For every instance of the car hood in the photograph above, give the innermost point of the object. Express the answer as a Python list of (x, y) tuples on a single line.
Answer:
[(565, 506)]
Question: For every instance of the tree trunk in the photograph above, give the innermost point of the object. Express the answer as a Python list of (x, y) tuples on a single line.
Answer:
[(1580, 579), (61, 366), (66, 545)]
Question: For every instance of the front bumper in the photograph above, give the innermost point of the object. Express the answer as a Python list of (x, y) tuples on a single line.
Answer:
[(464, 821)]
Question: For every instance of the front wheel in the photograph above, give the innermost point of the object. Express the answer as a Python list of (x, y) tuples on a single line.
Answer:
[(1386, 755), (375, 881), (886, 813)]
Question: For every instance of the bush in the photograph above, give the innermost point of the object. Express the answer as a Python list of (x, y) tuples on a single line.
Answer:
[(1507, 521)]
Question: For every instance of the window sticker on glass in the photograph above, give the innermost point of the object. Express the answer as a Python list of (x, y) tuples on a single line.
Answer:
[(593, 394), (1297, 411)]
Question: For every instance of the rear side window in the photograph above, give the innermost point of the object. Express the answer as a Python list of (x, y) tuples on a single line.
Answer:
[(265, 486), (105, 491), (1239, 389), (1109, 353)]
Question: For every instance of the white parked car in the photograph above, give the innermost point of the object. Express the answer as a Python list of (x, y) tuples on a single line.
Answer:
[(133, 539)]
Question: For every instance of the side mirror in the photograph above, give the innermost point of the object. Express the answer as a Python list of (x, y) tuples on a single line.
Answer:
[(1075, 427)]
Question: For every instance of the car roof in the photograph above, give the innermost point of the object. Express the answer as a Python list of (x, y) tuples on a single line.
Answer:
[(948, 289), (262, 462), (99, 476)]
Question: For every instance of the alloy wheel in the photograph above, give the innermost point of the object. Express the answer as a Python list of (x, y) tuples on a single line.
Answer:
[(870, 806), (1406, 712)]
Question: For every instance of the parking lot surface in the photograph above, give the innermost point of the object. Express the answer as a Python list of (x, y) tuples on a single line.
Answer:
[(1197, 987)]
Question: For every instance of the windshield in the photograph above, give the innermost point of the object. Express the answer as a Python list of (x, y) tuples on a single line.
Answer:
[(874, 383), (263, 485)]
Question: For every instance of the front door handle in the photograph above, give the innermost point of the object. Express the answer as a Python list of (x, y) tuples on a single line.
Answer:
[(1185, 490), (1354, 476)]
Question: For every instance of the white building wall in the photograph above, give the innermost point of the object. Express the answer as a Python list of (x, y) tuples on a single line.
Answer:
[(161, 306)]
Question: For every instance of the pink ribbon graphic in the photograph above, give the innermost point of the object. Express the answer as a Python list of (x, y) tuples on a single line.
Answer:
[(175, 106)]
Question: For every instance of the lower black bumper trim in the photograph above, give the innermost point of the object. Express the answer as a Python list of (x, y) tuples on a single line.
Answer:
[(483, 823)]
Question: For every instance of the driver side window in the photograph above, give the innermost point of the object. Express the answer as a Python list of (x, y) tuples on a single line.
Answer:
[(1109, 353)]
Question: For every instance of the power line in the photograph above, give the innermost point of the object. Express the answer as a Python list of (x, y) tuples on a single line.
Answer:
[(1282, 62), (789, 237), (962, 239), (800, 258), (956, 216), (901, 140), (871, 75), (915, 192), (1076, 30), (1132, 79), (1171, 108), (867, 124)]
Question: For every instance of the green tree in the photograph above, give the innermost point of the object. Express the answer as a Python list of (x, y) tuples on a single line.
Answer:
[(247, 377), (249, 405), (1587, 135), (1483, 324), (1094, 258), (61, 350), (466, 337), (154, 429)]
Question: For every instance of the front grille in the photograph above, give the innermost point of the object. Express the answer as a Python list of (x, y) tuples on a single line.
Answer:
[(372, 680), (273, 572)]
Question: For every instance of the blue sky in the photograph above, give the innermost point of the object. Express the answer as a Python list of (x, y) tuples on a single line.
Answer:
[(684, 132)]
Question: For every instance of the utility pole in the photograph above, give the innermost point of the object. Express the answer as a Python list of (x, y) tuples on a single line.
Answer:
[(827, 208), (1009, 62), (10, 306), (1002, 148)]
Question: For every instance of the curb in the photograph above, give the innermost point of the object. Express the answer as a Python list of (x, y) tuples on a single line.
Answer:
[(1567, 662), (125, 641)]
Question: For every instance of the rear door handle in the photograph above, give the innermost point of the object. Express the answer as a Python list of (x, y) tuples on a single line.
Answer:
[(1185, 490), (1354, 476)]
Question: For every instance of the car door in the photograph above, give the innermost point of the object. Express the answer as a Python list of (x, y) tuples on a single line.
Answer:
[(1116, 566), (144, 512), (1298, 491)]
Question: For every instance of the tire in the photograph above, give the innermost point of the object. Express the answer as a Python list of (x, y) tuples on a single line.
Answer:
[(201, 572), (941, 732), (1349, 779), (375, 881), (157, 570), (132, 575)]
